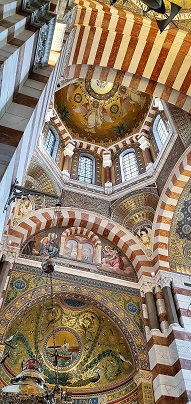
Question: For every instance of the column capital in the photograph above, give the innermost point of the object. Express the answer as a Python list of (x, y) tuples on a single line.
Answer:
[(143, 376), (10, 253), (144, 142), (69, 149), (107, 162), (143, 379), (165, 280), (147, 284)]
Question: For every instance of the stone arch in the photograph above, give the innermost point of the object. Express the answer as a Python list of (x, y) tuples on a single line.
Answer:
[(165, 211), (80, 231), (91, 238), (71, 217), (135, 68)]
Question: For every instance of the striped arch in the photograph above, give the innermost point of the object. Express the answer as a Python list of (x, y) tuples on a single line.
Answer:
[(113, 45), (80, 231), (71, 217), (166, 207)]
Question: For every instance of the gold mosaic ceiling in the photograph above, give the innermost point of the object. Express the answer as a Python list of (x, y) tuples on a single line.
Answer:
[(101, 112), (91, 351), (182, 20)]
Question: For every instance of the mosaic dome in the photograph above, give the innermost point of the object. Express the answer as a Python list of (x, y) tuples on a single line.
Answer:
[(101, 112)]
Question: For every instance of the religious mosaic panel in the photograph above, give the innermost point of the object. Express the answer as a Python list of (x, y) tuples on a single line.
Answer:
[(89, 342), (180, 234), (102, 256)]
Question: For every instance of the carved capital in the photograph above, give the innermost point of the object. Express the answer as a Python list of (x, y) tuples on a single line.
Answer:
[(10, 253), (147, 286), (143, 376), (165, 280), (69, 150), (144, 143), (107, 162)]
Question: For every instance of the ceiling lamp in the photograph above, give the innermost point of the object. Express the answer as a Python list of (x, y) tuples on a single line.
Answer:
[(27, 387)]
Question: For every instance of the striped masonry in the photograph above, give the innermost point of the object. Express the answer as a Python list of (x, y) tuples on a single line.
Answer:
[(43, 219), (166, 207), (113, 45), (80, 231)]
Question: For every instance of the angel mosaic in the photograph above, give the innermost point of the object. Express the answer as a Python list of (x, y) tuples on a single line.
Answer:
[(94, 115)]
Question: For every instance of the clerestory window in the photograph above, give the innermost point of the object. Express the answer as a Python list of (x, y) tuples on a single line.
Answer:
[(86, 168), (51, 142), (160, 131), (129, 166)]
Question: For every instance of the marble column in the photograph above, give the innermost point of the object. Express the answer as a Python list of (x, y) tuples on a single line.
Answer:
[(145, 147), (143, 379), (107, 163), (170, 306), (68, 153), (165, 284), (152, 311)]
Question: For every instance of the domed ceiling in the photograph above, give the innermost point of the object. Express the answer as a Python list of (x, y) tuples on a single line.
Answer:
[(101, 112)]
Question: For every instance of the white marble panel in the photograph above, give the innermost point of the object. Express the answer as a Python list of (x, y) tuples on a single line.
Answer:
[(159, 354)]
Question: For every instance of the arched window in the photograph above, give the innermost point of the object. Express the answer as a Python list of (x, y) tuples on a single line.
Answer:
[(51, 142), (129, 167), (160, 131), (86, 168)]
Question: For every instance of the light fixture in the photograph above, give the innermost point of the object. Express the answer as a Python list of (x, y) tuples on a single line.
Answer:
[(18, 192)]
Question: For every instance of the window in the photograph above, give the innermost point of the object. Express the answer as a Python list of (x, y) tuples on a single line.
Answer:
[(160, 131), (51, 142), (129, 167), (86, 168)]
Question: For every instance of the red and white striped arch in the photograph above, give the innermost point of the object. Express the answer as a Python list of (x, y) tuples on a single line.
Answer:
[(114, 45), (122, 238), (80, 231), (166, 207)]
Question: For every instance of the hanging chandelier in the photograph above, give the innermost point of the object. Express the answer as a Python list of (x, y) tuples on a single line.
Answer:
[(29, 387)]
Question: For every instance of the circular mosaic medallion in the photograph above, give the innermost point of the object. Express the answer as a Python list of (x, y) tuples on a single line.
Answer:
[(19, 284), (189, 209), (114, 109), (67, 350), (186, 229), (131, 308), (78, 97), (100, 90), (187, 252)]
